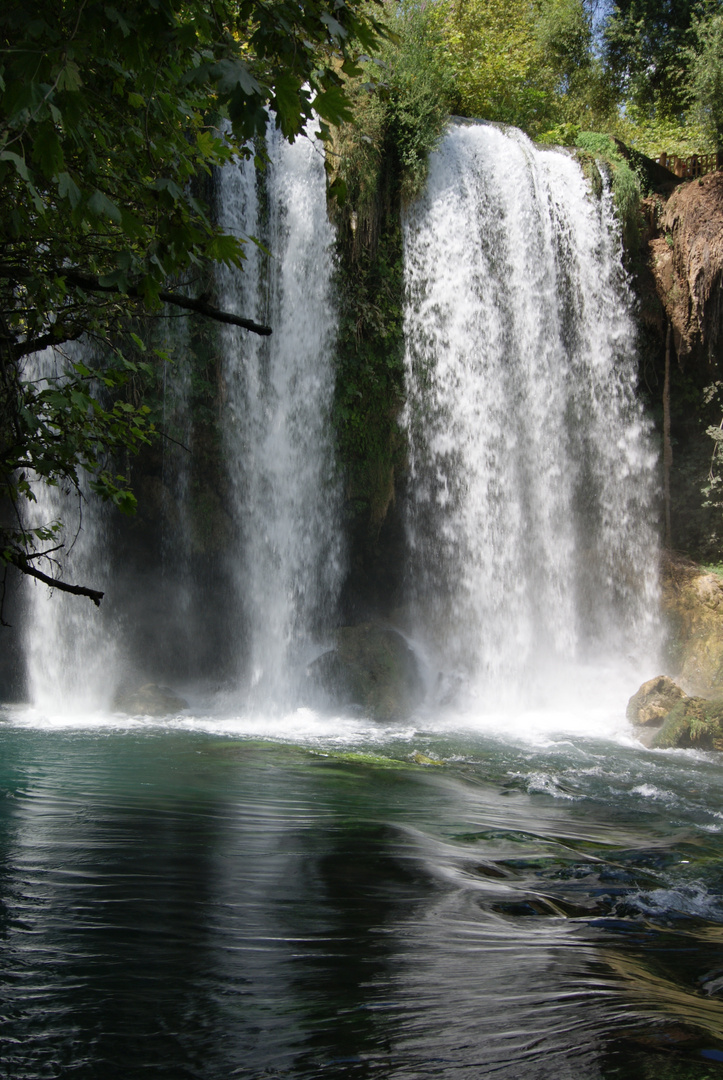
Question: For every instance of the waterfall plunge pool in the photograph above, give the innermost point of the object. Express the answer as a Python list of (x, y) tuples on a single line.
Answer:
[(201, 899)]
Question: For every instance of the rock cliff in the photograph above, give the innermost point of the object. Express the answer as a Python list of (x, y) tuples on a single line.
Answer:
[(693, 605), (687, 264)]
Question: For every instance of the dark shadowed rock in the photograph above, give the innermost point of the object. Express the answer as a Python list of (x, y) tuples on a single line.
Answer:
[(331, 679), (371, 667)]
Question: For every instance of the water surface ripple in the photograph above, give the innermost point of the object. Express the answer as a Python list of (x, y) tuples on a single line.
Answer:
[(184, 904)]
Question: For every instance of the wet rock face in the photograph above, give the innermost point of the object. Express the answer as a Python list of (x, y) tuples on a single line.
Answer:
[(687, 264), (371, 667), (687, 712), (693, 604)]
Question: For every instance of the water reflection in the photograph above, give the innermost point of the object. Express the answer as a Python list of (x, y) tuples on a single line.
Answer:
[(182, 906)]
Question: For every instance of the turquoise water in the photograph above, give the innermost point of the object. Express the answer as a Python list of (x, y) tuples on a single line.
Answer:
[(396, 904)]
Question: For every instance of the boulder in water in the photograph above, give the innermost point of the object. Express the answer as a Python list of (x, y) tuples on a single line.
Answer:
[(373, 668), (149, 700), (694, 723), (653, 701)]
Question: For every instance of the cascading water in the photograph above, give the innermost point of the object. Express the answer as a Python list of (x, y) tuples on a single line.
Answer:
[(278, 399), (530, 520), (531, 510), (286, 563), (71, 656)]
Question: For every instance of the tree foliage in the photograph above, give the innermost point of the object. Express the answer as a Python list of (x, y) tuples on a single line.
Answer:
[(109, 117), (664, 62), (705, 63), (532, 64), (644, 47), (647, 71), (382, 153), (492, 50), (381, 163)]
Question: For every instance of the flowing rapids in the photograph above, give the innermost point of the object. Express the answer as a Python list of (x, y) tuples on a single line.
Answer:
[(531, 515)]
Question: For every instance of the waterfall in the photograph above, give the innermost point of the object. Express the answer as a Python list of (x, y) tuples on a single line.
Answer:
[(278, 393), (284, 564), (71, 656), (531, 516), (531, 494)]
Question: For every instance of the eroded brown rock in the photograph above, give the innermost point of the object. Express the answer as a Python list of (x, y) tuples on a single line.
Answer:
[(687, 264), (654, 700)]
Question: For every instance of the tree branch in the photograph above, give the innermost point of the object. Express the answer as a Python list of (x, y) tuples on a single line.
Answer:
[(20, 561), (92, 284), (25, 348), (212, 312)]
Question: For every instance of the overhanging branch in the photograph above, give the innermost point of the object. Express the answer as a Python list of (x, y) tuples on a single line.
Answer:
[(212, 312), (22, 564), (92, 284)]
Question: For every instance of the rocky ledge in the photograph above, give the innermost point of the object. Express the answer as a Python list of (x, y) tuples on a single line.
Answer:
[(693, 606)]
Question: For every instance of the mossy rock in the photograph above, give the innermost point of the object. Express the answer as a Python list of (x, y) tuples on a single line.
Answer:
[(653, 701), (371, 667), (693, 723)]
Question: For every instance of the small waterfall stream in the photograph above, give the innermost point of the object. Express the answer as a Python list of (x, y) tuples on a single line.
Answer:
[(177, 451), (277, 430), (531, 511), (71, 652)]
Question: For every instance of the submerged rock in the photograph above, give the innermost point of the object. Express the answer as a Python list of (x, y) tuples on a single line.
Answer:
[(371, 667), (149, 700), (653, 701), (693, 723)]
